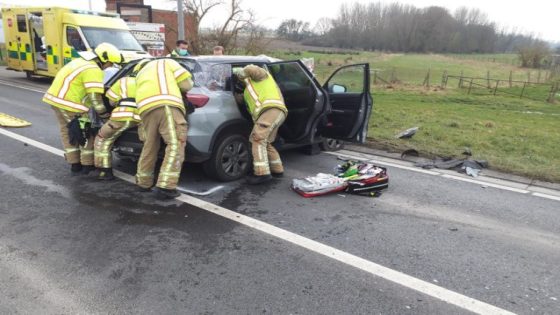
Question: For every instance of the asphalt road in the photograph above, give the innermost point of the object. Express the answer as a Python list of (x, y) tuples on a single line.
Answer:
[(73, 245)]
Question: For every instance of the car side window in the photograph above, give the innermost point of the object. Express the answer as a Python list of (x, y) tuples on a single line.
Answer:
[(347, 80), (215, 77), (290, 76), (74, 39)]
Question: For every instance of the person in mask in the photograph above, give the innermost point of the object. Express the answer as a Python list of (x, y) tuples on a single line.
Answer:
[(182, 49)]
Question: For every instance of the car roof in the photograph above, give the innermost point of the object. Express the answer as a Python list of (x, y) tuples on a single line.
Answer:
[(232, 59)]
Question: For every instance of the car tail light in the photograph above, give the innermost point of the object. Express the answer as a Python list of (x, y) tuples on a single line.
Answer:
[(198, 100)]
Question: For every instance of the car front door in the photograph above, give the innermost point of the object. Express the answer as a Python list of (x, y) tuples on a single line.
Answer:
[(351, 104), (304, 98)]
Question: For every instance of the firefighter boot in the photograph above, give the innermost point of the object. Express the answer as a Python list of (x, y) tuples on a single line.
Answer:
[(105, 174), (256, 179), (86, 169), (76, 169), (166, 194)]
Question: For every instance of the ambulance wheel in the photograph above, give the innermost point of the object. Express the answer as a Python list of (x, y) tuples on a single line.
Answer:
[(29, 75), (230, 160), (329, 144)]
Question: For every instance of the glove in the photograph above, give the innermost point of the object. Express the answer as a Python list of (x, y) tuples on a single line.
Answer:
[(75, 134)]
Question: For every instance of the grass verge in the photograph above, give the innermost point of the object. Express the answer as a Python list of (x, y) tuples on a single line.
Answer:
[(517, 136)]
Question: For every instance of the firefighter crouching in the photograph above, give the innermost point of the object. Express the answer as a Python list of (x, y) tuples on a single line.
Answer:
[(266, 106), (121, 95), (77, 87), (159, 87)]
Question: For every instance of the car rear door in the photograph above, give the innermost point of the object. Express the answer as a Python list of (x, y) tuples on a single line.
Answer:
[(351, 104)]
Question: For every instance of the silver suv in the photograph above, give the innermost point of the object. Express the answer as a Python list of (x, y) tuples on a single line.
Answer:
[(338, 110)]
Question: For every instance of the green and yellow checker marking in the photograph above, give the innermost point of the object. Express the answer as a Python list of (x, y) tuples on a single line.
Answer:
[(52, 55), (23, 52), (13, 50), (11, 121)]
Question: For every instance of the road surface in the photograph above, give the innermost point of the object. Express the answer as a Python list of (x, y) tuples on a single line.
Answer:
[(433, 243)]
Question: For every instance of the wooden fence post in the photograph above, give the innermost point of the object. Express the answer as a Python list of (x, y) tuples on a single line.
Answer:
[(444, 79), (496, 87), (461, 80), (426, 82), (488, 79), (393, 79), (553, 91), (539, 76), (510, 77), (529, 77), (470, 86), (374, 76), (523, 89)]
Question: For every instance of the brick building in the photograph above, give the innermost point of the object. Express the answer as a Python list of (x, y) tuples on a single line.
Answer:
[(136, 11)]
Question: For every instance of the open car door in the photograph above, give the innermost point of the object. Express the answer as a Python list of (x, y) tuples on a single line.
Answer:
[(304, 99), (351, 104)]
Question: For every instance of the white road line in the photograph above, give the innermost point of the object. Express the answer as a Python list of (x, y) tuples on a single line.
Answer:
[(483, 183), (536, 194), (7, 83), (372, 268), (32, 142), (404, 167)]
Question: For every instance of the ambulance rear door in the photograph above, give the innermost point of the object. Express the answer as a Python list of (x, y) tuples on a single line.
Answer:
[(13, 37)]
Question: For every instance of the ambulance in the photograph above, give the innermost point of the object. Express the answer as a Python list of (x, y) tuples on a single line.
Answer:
[(40, 41)]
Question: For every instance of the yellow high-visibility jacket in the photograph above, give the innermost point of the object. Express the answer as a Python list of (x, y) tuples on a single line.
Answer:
[(123, 93), (72, 83), (157, 84), (263, 94)]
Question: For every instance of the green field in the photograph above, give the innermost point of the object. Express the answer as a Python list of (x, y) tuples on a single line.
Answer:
[(412, 68), (516, 135)]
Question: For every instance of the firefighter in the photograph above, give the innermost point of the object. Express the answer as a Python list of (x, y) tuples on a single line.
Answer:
[(266, 105), (77, 87), (159, 88), (121, 96)]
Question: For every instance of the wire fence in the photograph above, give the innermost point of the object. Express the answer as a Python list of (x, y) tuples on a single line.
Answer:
[(540, 84)]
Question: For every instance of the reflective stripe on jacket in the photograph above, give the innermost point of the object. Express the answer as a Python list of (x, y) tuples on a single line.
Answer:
[(261, 95), (72, 83), (157, 84), (123, 93)]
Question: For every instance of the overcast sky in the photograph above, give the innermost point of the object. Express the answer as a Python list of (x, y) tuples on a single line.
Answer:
[(540, 17)]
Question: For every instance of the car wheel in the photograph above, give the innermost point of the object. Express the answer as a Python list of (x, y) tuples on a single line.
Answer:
[(329, 144), (230, 159)]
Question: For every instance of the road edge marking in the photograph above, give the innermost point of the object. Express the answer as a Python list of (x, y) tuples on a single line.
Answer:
[(397, 277)]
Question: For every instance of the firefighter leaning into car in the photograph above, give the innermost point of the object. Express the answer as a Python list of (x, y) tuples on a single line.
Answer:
[(159, 88), (77, 88), (266, 106), (121, 96)]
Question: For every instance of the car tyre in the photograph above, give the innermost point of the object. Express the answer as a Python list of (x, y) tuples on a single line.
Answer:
[(329, 144), (230, 159)]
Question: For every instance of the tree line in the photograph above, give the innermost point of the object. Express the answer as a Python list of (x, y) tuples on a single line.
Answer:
[(406, 28)]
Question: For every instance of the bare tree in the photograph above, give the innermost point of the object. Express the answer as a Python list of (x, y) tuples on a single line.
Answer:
[(532, 54), (198, 10), (226, 33), (323, 26), (293, 29), (238, 21)]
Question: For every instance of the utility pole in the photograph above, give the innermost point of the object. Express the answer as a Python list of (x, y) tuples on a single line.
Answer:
[(90, 8), (180, 20)]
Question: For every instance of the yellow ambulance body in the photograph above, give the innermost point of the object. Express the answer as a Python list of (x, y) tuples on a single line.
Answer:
[(40, 41)]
